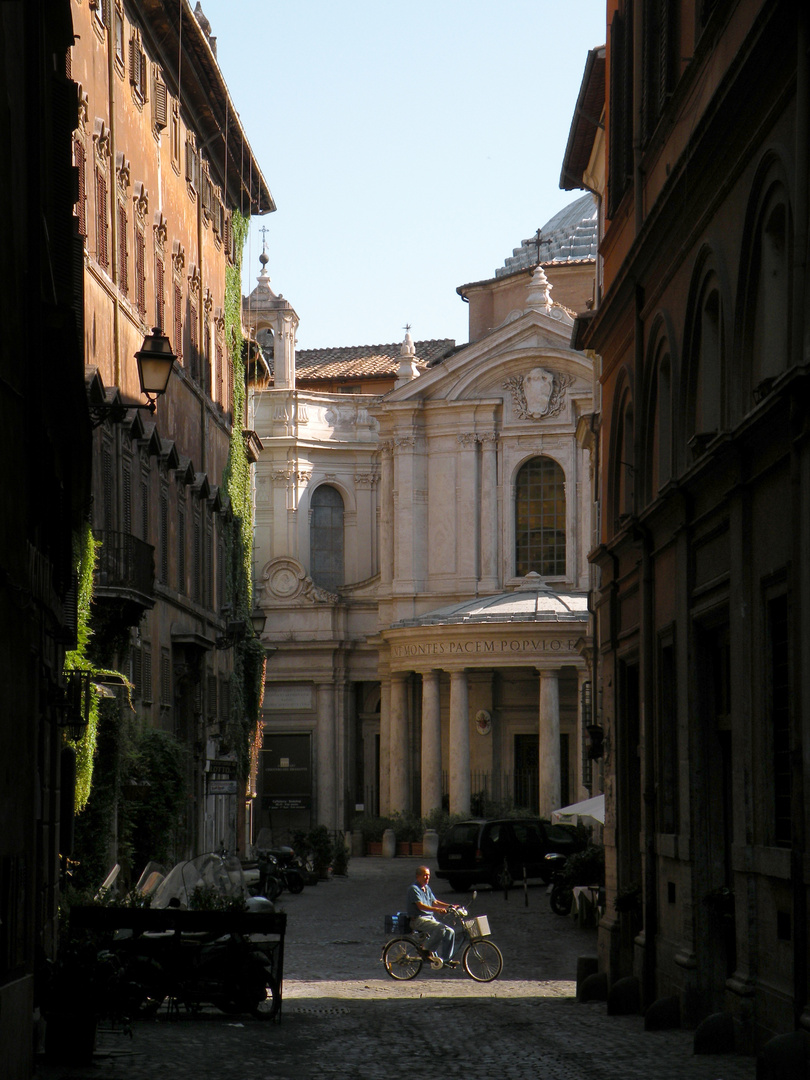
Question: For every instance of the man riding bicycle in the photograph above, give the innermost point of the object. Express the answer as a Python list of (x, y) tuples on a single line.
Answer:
[(421, 905)]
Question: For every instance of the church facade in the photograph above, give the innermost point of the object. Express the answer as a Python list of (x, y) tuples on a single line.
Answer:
[(421, 556)]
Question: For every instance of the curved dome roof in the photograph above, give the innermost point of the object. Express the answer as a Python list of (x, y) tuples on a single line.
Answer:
[(531, 601), (570, 236)]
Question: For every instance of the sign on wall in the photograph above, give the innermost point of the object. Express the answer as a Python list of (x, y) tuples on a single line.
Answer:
[(288, 697), (286, 772)]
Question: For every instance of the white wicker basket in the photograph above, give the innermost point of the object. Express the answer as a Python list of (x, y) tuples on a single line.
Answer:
[(478, 927)]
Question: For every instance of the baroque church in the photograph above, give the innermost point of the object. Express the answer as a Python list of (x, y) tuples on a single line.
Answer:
[(423, 520)]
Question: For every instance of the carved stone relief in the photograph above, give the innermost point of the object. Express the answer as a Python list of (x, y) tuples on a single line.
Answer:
[(539, 394)]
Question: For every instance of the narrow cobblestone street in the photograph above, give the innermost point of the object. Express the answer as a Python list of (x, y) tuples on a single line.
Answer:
[(343, 1017)]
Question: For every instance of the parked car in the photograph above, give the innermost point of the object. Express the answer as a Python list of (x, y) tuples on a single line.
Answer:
[(495, 852)]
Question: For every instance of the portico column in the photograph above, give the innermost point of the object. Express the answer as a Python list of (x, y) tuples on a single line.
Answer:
[(398, 749), (549, 743), (582, 723), (459, 744), (385, 746), (431, 743), (326, 754)]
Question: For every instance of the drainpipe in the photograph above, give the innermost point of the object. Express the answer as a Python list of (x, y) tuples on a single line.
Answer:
[(201, 326), (799, 431), (114, 212), (638, 86), (650, 823)]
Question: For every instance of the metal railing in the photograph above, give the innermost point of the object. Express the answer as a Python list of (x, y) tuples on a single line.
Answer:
[(125, 566)]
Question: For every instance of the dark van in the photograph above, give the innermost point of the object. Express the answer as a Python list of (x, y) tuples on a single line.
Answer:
[(495, 852)]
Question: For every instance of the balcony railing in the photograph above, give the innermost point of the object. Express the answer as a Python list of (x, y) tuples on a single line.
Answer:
[(125, 569)]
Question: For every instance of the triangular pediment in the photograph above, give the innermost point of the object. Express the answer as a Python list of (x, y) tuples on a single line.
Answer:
[(532, 340)]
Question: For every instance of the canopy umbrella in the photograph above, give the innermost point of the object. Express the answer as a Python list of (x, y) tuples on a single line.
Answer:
[(589, 811)]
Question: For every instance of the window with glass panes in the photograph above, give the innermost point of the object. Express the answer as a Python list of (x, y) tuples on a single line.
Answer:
[(540, 519), (326, 537)]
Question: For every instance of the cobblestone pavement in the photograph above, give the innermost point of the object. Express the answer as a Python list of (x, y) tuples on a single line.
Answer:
[(343, 1017)]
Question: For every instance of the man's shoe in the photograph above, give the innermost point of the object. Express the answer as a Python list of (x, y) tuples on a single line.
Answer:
[(452, 963)]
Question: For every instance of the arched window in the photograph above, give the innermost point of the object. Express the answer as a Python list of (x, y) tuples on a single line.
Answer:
[(657, 463), (709, 350), (540, 519), (771, 332), (326, 537)]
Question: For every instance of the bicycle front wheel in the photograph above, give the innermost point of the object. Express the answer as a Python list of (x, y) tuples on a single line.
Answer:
[(402, 959), (482, 960)]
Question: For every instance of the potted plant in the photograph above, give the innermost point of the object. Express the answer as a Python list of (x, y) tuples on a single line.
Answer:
[(372, 829), (408, 829)]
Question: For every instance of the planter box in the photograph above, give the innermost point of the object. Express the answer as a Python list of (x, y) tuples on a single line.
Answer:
[(374, 847), (409, 847)]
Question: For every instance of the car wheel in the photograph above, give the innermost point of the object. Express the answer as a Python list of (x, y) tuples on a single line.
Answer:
[(460, 885)]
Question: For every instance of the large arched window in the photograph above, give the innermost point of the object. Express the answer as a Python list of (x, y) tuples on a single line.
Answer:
[(770, 336), (326, 537), (540, 519), (657, 461)]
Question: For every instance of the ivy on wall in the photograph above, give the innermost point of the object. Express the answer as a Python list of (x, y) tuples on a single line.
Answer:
[(85, 550), (247, 681)]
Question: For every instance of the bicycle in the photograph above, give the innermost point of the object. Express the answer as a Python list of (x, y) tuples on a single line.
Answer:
[(481, 958)]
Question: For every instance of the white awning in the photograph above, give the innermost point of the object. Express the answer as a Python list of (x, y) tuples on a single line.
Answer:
[(590, 810)]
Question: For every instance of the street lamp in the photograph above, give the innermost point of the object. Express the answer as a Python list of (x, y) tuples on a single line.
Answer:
[(155, 360), (257, 619)]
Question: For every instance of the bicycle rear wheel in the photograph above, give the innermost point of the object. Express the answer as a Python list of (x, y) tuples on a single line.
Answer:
[(401, 958), (482, 960)]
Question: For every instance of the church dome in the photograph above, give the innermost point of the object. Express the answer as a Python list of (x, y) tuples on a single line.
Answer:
[(571, 236)]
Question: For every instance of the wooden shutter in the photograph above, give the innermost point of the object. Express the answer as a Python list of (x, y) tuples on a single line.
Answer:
[(123, 262), (146, 673), (160, 302), (160, 111), (164, 537), (81, 203), (140, 273), (102, 242), (126, 497), (178, 320)]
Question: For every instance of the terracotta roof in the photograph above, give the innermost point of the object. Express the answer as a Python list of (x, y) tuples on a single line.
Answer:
[(357, 361)]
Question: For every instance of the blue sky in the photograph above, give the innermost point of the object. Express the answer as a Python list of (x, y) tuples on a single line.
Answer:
[(409, 147)]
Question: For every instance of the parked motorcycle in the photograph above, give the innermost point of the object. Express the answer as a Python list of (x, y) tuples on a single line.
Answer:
[(279, 868), (562, 895)]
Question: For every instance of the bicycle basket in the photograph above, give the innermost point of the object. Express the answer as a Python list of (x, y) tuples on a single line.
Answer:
[(477, 927)]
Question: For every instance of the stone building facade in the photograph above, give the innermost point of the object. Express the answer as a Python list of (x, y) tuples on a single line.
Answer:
[(421, 555), (165, 171), (701, 633), (45, 451)]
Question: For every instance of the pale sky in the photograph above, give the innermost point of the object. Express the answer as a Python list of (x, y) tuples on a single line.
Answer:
[(409, 147)]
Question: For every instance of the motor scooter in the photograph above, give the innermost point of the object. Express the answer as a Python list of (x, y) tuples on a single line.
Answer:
[(562, 895)]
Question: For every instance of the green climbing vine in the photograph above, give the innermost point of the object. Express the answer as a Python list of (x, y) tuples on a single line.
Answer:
[(247, 681), (85, 549)]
